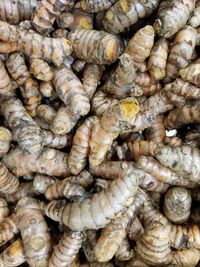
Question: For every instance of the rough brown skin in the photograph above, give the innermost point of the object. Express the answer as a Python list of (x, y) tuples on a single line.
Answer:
[(158, 59), (92, 74), (64, 121), (184, 160), (101, 102), (53, 208), (77, 20), (161, 97), (156, 133), (151, 249), (115, 169), (150, 214), (49, 49), (144, 120), (5, 82), (194, 20), (80, 216), (50, 161), (162, 173), (179, 237), (181, 51), (34, 232), (14, 12), (183, 89), (170, 11), (135, 229), (8, 47), (64, 189), (59, 33), (41, 182), (4, 210), (124, 252), (125, 13), (42, 124), (56, 141), (26, 25), (154, 245), (47, 89), (28, 86), (79, 65), (151, 184), (46, 113), (114, 121), (150, 109), (66, 251), (14, 255), (186, 257), (8, 182), (191, 73), (5, 140), (71, 91), (146, 83), (116, 151), (23, 190), (8, 228), (109, 46), (173, 141), (177, 205), (28, 134), (46, 13), (123, 82), (99, 204), (193, 138), (80, 148), (41, 70), (188, 113), (139, 148), (139, 47), (101, 184), (111, 169), (94, 6), (84, 179), (185, 236), (114, 233)]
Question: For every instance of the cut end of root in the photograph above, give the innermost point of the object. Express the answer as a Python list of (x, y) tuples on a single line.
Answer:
[(86, 25), (5, 134), (16, 248), (111, 50), (109, 15), (129, 108), (114, 49), (125, 5)]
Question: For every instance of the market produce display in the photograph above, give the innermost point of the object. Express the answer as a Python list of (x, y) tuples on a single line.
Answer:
[(99, 133)]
